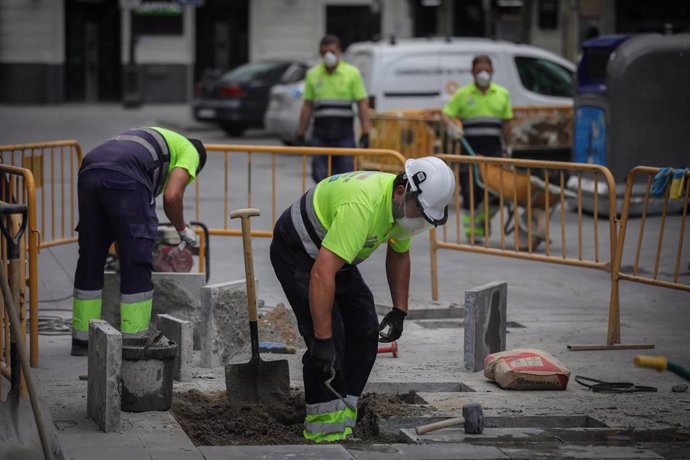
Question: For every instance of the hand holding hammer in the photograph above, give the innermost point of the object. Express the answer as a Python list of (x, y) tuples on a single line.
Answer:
[(472, 418)]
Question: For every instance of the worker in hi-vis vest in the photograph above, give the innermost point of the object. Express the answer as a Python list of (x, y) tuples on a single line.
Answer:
[(118, 184), (330, 89), (485, 111), (317, 244)]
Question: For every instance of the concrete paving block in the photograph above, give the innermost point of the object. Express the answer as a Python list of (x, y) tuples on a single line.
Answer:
[(225, 323), (584, 452), (182, 333), (331, 452), (485, 323), (445, 451), (105, 367), (176, 294)]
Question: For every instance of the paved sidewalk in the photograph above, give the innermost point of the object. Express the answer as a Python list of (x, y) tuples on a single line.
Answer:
[(558, 305)]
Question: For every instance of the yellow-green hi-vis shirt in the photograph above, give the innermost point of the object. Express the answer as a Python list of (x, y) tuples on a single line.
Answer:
[(183, 154), (355, 212)]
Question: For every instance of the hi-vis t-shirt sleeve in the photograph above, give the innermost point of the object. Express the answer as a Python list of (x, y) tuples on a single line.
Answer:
[(308, 93), (188, 159), (348, 231), (400, 246), (359, 92)]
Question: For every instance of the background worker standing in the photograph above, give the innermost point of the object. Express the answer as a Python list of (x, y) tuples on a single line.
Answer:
[(318, 242), (486, 113), (118, 184), (330, 88)]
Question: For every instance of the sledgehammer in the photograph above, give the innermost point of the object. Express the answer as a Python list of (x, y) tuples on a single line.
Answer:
[(472, 418)]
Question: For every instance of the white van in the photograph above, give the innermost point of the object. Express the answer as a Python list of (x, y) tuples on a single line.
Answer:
[(424, 73)]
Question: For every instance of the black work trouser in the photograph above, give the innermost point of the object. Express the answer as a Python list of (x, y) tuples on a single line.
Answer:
[(477, 192), (355, 326)]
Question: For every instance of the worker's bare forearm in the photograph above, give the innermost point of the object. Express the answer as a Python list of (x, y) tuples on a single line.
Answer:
[(174, 209), (364, 120), (173, 197), (304, 117), (446, 119), (321, 294), (398, 268), (508, 133), (322, 291)]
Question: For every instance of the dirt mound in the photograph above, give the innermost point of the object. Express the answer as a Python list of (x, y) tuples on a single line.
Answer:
[(210, 420), (280, 325)]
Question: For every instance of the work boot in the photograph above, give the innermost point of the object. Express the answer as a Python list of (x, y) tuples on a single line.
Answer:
[(79, 347)]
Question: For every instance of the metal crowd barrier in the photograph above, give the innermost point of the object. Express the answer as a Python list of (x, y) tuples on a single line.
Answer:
[(530, 201), (43, 176), (669, 265), (17, 186), (285, 176), (417, 133), (55, 166)]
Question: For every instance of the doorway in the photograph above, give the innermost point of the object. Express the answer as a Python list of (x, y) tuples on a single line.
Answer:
[(92, 51), (221, 36)]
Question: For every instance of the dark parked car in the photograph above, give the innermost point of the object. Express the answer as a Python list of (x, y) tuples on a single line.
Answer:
[(237, 100)]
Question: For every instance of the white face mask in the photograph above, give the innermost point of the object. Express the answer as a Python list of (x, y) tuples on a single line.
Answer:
[(407, 227), (483, 79), (330, 59)]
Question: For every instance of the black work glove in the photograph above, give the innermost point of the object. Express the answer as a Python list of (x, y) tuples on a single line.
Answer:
[(322, 354), (364, 141), (300, 140), (394, 319)]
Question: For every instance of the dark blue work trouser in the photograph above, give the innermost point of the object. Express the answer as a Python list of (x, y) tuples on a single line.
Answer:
[(114, 208), (339, 164)]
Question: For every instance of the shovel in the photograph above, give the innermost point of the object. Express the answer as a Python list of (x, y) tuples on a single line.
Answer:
[(257, 380), (26, 429)]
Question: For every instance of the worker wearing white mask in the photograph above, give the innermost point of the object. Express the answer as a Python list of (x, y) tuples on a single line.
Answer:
[(330, 89), (485, 111), (317, 244)]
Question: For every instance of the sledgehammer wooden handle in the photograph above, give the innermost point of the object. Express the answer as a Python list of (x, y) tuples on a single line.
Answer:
[(245, 214), (438, 425)]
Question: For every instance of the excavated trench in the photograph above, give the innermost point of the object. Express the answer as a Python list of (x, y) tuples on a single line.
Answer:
[(209, 419)]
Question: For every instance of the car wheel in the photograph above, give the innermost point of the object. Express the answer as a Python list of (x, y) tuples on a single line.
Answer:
[(233, 129)]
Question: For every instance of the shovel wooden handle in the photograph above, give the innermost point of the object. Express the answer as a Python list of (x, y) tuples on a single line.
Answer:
[(438, 425), (245, 214)]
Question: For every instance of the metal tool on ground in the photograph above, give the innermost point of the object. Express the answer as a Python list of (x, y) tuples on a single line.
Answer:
[(257, 380), (335, 393), (16, 430), (392, 348), (660, 363), (472, 419)]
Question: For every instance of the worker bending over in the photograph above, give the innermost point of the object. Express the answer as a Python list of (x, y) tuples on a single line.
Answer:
[(318, 242), (118, 183)]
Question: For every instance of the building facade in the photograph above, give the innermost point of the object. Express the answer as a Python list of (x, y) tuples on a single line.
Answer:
[(54, 51)]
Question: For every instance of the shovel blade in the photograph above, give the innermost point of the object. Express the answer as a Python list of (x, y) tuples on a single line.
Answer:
[(258, 381)]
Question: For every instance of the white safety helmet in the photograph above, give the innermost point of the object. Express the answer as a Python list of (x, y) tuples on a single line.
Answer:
[(433, 184)]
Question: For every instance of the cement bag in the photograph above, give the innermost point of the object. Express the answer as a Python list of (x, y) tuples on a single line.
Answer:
[(526, 369)]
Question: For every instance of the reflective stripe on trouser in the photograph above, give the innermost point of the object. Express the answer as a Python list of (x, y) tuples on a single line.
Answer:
[(355, 336), (135, 312), (86, 305), (478, 221), (330, 421)]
